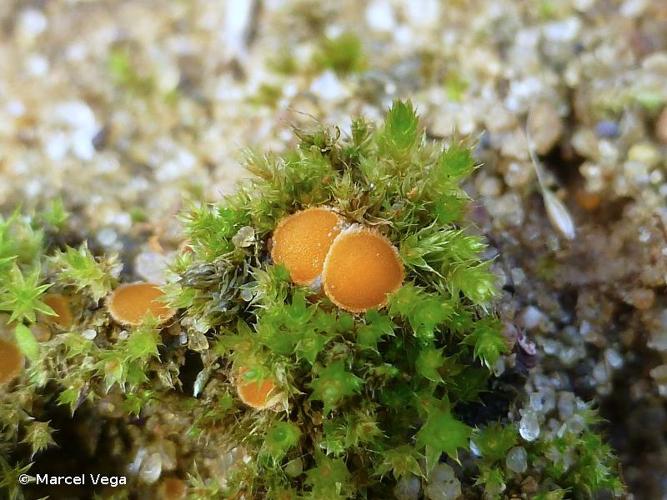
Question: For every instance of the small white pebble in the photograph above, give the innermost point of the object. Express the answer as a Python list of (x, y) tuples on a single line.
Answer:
[(517, 460), (107, 237), (32, 22), (89, 334), (422, 12), (15, 108), (531, 317), (151, 468), (529, 426), (613, 358), (380, 16), (518, 275), (328, 87), (37, 65)]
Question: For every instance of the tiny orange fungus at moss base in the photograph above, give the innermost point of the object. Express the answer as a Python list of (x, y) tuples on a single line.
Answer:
[(256, 393), (172, 488), (301, 242), (11, 361), (361, 269), (60, 305), (130, 304)]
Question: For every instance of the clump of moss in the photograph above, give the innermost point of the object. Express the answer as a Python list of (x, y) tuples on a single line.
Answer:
[(124, 73), (266, 95), (569, 461), (22, 290), (343, 54), (319, 396), (363, 394)]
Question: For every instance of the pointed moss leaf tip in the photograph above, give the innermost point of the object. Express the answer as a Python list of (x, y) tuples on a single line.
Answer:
[(488, 341), (428, 362), (495, 440), (280, 438), (454, 163), (401, 461), (79, 268), (442, 433), (142, 344), (401, 127), (334, 383), (21, 295), (330, 479)]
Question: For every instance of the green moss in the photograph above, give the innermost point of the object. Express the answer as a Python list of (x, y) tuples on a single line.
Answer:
[(357, 387), (362, 400), (343, 54), (55, 216), (22, 285), (283, 62), (267, 95), (80, 270), (21, 295), (20, 243), (138, 215), (124, 73), (455, 86), (651, 99), (570, 462), (495, 440)]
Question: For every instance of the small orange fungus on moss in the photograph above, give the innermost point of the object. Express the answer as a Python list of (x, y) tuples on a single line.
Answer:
[(301, 242), (11, 361), (257, 394), (60, 305), (361, 269), (172, 488), (41, 332), (587, 200), (130, 304)]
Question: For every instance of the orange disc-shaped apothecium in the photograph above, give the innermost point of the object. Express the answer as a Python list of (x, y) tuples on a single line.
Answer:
[(131, 304), (60, 305), (301, 242), (172, 488), (361, 269), (256, 394), (11, 361)]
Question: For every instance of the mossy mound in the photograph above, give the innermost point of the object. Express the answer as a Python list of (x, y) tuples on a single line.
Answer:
[(379, 397)]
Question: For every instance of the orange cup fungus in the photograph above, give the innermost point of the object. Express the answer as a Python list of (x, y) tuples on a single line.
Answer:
[(587, 200), (172, 488), (301, 242), (258, 394), (361, 269), (130, 304), (11, 361), (60, 305), (41, 332)]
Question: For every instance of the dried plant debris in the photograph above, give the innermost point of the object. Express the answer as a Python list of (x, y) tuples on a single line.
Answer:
[(371, 369)]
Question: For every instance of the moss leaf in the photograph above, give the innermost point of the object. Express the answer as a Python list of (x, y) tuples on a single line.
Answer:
[(27, 342)]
